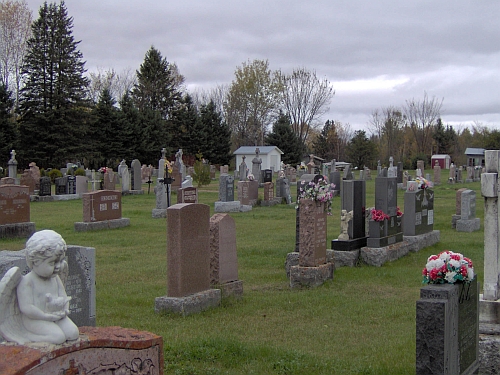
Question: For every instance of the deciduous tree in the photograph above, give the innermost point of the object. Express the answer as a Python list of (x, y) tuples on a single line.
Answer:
[(305, 98), (15, 30)]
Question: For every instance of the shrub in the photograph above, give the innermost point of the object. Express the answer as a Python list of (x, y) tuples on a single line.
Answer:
[(201, 173), (80, 172), (53, 174)]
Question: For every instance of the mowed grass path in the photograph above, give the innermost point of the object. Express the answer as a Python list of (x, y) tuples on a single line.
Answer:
[(362, 322)]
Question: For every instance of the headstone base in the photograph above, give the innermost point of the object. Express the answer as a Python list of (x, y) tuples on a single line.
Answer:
[(489, 348), (159, 213), (310, 276), (192, 304), (384, 241), (66, 197), (82, 226), (133, 192), (231, 289), (232, 206), (489, 311), (272, 202), (376, 256), (346, 258), (292, 259), (469, 225), (454, 219), (97, 351), (417, 243), (17, 230), (245, 208), (349, 245)]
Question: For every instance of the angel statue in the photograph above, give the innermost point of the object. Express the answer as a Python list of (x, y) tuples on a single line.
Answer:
[(35, 307)]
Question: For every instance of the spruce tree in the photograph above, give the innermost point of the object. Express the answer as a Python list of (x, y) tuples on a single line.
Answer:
[(156, 94), (218, 135), (106, 132), (133, 139), (53, 117), (184, 127), (286, 140), (8, 128)]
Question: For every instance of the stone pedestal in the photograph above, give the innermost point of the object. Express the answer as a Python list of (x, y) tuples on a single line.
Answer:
[(471, 225), (191, 304), (310, 276), (102, 350), (82, 226)]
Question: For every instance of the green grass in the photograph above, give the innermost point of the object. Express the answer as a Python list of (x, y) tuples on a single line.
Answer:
[(362, 322)]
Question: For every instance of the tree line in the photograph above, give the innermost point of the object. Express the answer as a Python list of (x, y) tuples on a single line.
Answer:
[(53, 111)]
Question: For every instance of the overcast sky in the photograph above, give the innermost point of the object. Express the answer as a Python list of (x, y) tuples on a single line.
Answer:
[(376, 53)]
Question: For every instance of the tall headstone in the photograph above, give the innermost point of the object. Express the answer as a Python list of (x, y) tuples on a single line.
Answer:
[(437, 173), (161, 164), (353, 198), (136, 175), (12, 165), (223, 255), (386, 200), (243, 192), (421, 167), (453, 174), (109, 179), (82, 185), (45, 187), (35, 173), (122, 167), (28, 180), (392, 171), (226, 188), (256, 166), (125, 180), (243, 169), (283, 189)]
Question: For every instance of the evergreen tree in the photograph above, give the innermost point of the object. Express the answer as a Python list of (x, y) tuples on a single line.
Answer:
[(283, 137), (326, 143), (8, 129), (361, 151), (106, 132), (156, 95), (130, 125), (53, 115), (218, 140), (185, 129)]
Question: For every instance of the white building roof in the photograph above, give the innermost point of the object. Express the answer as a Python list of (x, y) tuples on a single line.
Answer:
[(250, 150)]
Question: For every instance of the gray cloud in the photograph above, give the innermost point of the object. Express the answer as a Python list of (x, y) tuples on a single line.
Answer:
[(446, 48)]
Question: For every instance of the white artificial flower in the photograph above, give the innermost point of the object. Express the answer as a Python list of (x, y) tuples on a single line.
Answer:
[(444, 256), (470, 273), (455, 263), (450, 277), (437, 263)]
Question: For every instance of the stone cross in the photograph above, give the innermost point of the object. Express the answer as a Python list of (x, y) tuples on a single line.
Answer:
[(489, 190)]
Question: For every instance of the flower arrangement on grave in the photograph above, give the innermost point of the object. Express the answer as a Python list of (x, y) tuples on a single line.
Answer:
[(399, 213), (448, 267), (102, 170), (379, 215), (423, 183), (250, 177), (320, 191), (169, 168)]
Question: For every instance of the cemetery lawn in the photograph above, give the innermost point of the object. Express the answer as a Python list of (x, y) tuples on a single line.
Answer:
[(362, 322)]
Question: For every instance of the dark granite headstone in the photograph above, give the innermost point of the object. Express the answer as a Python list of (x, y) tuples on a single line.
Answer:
[(71, 184), (268, 175), (61, 184), (226, 188), (45, 187), (419, 212)]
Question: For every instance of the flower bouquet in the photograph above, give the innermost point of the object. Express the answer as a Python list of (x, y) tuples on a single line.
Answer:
[(320, 191), (379, 215), (448, 267), (422, 183)]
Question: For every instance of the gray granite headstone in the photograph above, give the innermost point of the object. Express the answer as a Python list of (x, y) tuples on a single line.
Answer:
[(135, 175), (468, 209), (79, 285), (447, 329), (45, 187)]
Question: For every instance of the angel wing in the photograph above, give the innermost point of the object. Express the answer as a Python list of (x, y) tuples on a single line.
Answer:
[(11, 325)]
